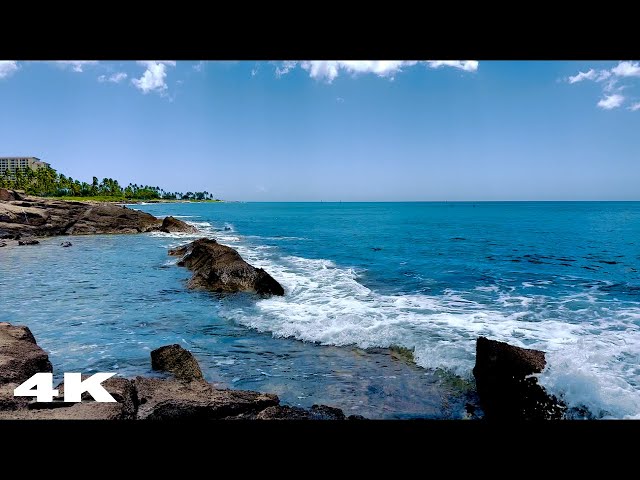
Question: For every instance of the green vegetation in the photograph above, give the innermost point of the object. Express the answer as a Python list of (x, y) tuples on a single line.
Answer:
[(403, 353), (46, 182)]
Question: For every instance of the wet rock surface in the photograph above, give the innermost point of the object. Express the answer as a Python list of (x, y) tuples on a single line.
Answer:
[(220, 268), (506, 387), (176, 360), (188, 398)]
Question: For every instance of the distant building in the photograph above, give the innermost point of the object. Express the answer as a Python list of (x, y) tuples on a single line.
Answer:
[(12, 164)]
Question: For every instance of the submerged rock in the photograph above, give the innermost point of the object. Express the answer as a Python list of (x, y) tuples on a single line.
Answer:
[(66, 244), (506, 387), (220, 268), (178, 361), (28, 242)]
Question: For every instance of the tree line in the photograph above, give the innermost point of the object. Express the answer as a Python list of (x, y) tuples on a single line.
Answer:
[(46, 182)]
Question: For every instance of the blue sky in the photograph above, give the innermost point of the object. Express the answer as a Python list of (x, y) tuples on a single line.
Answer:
[(349, 131)]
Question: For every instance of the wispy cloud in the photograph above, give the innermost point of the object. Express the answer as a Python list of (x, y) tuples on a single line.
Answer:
[(590, 75), (198, 67), (614, 81), (8, 68), (329, 70), (466, 65), (610, 102), (154, 77), (115, 78), (76, 65), (634, 107), (285, 68)]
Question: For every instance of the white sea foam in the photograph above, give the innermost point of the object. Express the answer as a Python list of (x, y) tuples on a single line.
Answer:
[(593, 352), (592, 360)]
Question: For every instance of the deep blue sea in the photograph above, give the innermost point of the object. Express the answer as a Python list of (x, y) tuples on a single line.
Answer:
[(562, 277)]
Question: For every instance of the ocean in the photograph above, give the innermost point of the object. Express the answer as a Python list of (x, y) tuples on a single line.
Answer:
[(563, 277)]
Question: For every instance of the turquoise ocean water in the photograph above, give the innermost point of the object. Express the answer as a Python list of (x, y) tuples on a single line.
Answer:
[(562, 277)]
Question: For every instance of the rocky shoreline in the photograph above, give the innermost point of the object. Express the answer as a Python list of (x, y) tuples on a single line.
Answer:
[(186, 396), (504, 374), (24, 218)]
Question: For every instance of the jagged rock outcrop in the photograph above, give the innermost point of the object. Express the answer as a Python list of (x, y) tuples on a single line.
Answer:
[(26, 216), (506, 387), (220, 268), (176, 360)]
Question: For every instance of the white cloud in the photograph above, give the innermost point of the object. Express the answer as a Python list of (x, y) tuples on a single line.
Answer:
[(590, 75), (7, 68), (285, 68), (612, 83), (466, 65), (198, 67), (76, 65), (115, 78), (627, 69), (328, 70), (153, 78), (610, 102), (634, 107)]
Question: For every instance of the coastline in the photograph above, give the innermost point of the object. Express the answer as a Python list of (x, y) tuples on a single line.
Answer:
[(140, 222)]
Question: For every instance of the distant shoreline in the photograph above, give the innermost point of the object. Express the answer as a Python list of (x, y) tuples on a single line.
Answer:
[(125, 201)]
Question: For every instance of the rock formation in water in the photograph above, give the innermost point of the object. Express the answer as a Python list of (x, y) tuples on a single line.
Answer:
[(506, 386), (185, 397), (26, 216), (220, 268), (176, 360), (173, 225)]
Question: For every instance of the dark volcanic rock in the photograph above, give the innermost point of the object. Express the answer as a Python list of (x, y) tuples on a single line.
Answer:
[(20, 359), (20, 356), (38, 217), (171, 399), (220, 268), (28, 242), (142, 398), (9, 195), (177, 360), (505, 386), (285, 412), (172, 225), (121, 389), (110, 218), (66, 244)]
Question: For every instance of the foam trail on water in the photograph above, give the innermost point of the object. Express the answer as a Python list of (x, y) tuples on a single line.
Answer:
[(593, 347)]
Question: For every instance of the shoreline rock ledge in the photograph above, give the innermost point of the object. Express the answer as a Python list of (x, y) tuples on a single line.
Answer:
[(185, 397), (220, 268), (506, 386), (23, 216)]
